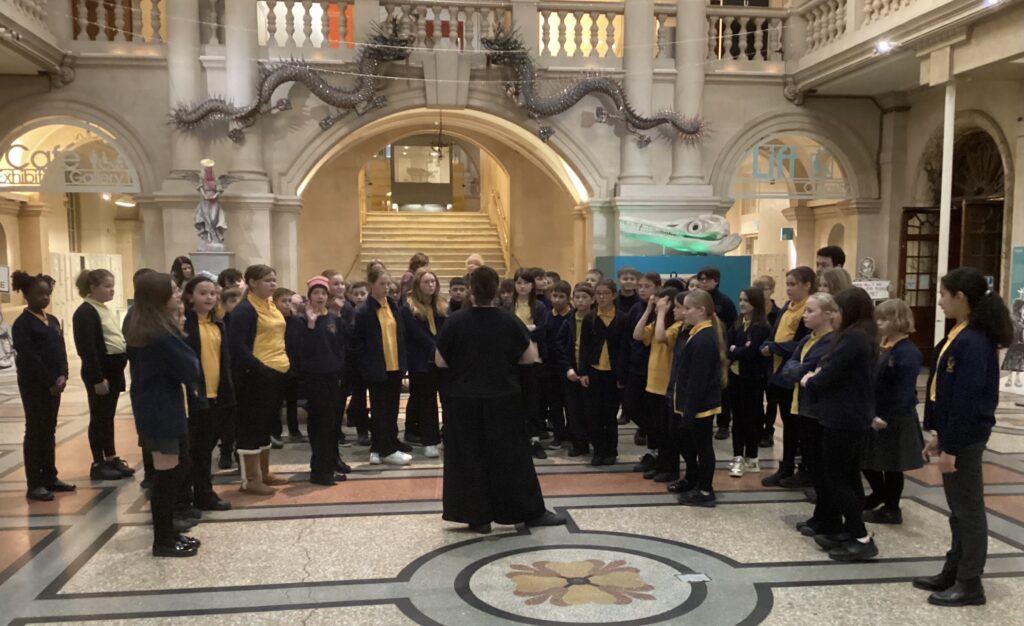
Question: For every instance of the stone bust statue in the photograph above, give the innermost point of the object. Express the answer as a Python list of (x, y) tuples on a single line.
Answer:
[(866, 269)]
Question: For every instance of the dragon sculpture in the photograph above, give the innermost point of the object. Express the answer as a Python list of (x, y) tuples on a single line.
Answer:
[(386, 44), (507, 49)]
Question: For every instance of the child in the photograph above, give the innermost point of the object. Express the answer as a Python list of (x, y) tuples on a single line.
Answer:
[(699, 371), (747, 372), (535, 316), (101, 346), (163, 369), (182, 270), (357, 411), (321, 361), (215, 397), (593, 276), (552, 373), (843, 385), (283, 300), (507, 293), (767, 284), (710, 278), (963, 394), (424, 314), (568, 357), (633, 370), (229, 299), (229, 278), (599, 353), (628, 297), (662, 463), (834, 280), (895, 442), (541, 286), (42, 364), (457, 289)]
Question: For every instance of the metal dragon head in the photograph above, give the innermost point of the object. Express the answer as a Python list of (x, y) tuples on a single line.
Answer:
[(389, 43), (505, 47)]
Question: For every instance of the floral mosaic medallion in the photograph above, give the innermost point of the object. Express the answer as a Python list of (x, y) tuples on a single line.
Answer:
[(579, 582), (579, 585)]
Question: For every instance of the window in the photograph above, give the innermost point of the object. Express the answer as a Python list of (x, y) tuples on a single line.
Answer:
[(73, 207)]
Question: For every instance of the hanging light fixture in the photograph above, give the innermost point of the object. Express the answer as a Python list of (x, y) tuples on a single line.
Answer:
[(438, 147)]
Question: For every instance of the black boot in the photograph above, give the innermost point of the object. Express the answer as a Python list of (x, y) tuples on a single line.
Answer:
[(165, 537), (962, 593), (940, 582)]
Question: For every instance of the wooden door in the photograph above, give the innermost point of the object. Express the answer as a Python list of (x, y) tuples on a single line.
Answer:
[(919, 263)]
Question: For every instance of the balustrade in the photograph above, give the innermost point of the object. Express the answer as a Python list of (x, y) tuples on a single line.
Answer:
[(305, 23), (745, 34), (574, 29), (121, 21), (877, 9), (34, 9), (826, 22), (448, 25)]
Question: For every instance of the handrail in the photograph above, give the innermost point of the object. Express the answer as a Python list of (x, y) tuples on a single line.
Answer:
[(581, 7), (503, 229), (809, 6), (724, 11), (453, 4)]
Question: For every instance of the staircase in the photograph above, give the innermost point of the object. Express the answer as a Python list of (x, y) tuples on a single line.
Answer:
[(447, 238)]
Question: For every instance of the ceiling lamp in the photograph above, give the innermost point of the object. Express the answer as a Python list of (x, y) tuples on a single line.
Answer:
[(438, 147)]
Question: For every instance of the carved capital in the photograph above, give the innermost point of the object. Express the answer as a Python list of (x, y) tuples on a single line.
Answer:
[(64, 74), (793, 93)]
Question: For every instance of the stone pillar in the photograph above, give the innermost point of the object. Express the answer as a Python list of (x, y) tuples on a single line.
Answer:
[(365, 13), (34, 237), (802, 218), (1017, 209), (892, 183), (691, 51), (284, 219), (638, 63), (153, 255), (582, 241), (127, 232), (524, 16), (183, 75), (604, 216), (241, 51)]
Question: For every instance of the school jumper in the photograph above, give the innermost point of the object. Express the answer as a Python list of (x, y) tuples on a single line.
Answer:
[(725, 309), (293, 386), (601, 340), (40, 358), (963, 393), (530, 373), (787, 332), (567, 356), (748, 370), (660, 417), (695, 397), (421, 415), (381, 358), (632, 375), (552, 375), (321, 362), (101, 347)]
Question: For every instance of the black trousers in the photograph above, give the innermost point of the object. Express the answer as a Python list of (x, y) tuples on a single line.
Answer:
[(259, 395), (488, 470), (886, 487), (358, 414), (202, 432), (554, 400), (292, 385), (661, 430), (40, 434), (697, 443), (576, 414), (771, 411), (826, 517), (748, 414), (634, 405), (421, 414), (166, 486), (322, 395), (101, 423), (724, 419), (185, 495), (842, 487), (384, 399), (602, 410), (965, 496), (226, 430), (533, 411), (790, 427)]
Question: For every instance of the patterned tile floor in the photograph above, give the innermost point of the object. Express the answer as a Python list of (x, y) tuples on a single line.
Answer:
[(374, 550)]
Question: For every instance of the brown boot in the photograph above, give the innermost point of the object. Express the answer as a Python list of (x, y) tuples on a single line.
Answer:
[(268, 478), (252, 481)]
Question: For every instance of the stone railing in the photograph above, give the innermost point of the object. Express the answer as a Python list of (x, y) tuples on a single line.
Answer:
[(579, 30), (448, 25), (825, 22), (119, 21), (33, 10), (304, 23), (745, 34), (878, 9)]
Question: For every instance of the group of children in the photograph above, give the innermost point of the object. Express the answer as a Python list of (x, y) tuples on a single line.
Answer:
[(673, 356)]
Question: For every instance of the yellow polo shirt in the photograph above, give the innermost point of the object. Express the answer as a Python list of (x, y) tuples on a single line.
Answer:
[(604, 362), (388, 336), (524, 312), (430, 321), (579, 333), (949, 339), (112, 336), (788, 325), (659, 364), (209, 355), (815, 337), (268, 346)]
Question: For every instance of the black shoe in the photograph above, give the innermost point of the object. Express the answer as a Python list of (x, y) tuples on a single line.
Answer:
[(596, 461), (854, 550), (118, 464), (59, 485), (963, 593), (103, 471), (556, 444), (482, 529), (767, 441), (697, 498), (574, 451), (181, 524), (776, 478), (548, 519), (326, 481), (639, 439), (412, 438), (276, 443), (609, 460), (189, 541), (681, 486), (829, 542), (403, 447), (666, 477), (363, 438), (940, 582), (871, 502), (808, 528), (545, 435), (796, 481), (212, 502), (179, 549), (884, 515), (646, 463), (147, 483), (622, 421), (651, 473), (39, 494), (190, 513), (538, 451), (722, 433), (296, 436), (226, 461), (342, 467)]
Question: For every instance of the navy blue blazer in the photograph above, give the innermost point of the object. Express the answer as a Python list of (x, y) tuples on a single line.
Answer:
[(321, 349), (541, 314), (793, 371), (368, 344), (966, 392), (695, 385), (593, 337), (725, 309), (844, 388), (752, 364), (160, 369), (783, 349), (896, 381), (97, 365), (554, 333), (225, 389), (563, 352), (420, 345), (635, 354), (241, 337), (40, 355)]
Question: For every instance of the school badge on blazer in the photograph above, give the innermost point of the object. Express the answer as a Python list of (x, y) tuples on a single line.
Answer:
[(332, 328), (950, 365)]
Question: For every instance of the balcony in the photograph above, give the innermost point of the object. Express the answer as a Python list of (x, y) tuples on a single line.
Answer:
[(27, 45)]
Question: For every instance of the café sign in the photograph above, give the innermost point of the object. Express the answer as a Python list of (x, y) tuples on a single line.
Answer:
[(774, 174), (95, 165)]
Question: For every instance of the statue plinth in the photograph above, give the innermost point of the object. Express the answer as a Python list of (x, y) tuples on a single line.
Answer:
[(209, 259)]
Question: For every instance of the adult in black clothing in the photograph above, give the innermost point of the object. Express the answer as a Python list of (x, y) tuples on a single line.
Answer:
[(182, 270), (828, 257), (725, 310), (488, 472), (42, 364), (101, 346)]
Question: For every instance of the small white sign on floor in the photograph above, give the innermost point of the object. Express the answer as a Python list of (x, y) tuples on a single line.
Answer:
[(693, 578)]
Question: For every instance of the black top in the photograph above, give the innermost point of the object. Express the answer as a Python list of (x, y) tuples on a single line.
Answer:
[(294, 331), (554, 333), (482, 347), (634, 354), (625, 304), (844, 386), (39, 350), (724, 308), (97, 365), (419, 343), (695, 385), (794, 370), (966, 393), (896, 380), (594, 335), (368, 342), (752, 364), (322, 348)]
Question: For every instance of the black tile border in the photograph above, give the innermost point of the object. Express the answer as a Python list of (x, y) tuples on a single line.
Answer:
[(33, 552), (104, 492)]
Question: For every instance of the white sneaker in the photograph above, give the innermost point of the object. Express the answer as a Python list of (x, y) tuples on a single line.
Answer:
[(736, 467), (751, 465), (431, 452), (374, 458), (397, 458)]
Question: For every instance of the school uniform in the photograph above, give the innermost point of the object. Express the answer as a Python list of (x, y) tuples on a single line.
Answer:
[(748, 370), (354, 386), (695, 396), (101, 347), (725, 309), (552, 374), (293, 382), (378, 339), (844, 388), (321, 362), (213, 401), (656, 383), (632, 375), (421, 415), (531, 373), (624, 304), (601, 340), (567, 356), (40, 358), (786, 334), (963, 393)]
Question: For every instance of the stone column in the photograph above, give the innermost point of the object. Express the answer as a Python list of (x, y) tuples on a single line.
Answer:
[(582, 241), (183, 75), (524, 16), (284, 219), (241, 51), (638, 63), (153, 255), (802, 218), (1017, 215), (127, 233), (691, 51), (892, 182), (604, 217), (34, 237)]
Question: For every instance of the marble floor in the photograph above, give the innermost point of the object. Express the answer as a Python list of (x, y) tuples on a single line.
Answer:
[(374, 550)]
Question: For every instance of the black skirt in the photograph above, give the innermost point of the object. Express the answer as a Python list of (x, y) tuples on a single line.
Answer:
[(897, 448)]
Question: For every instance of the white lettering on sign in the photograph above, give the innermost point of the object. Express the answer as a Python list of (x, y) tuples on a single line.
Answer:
[(66, 169)]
